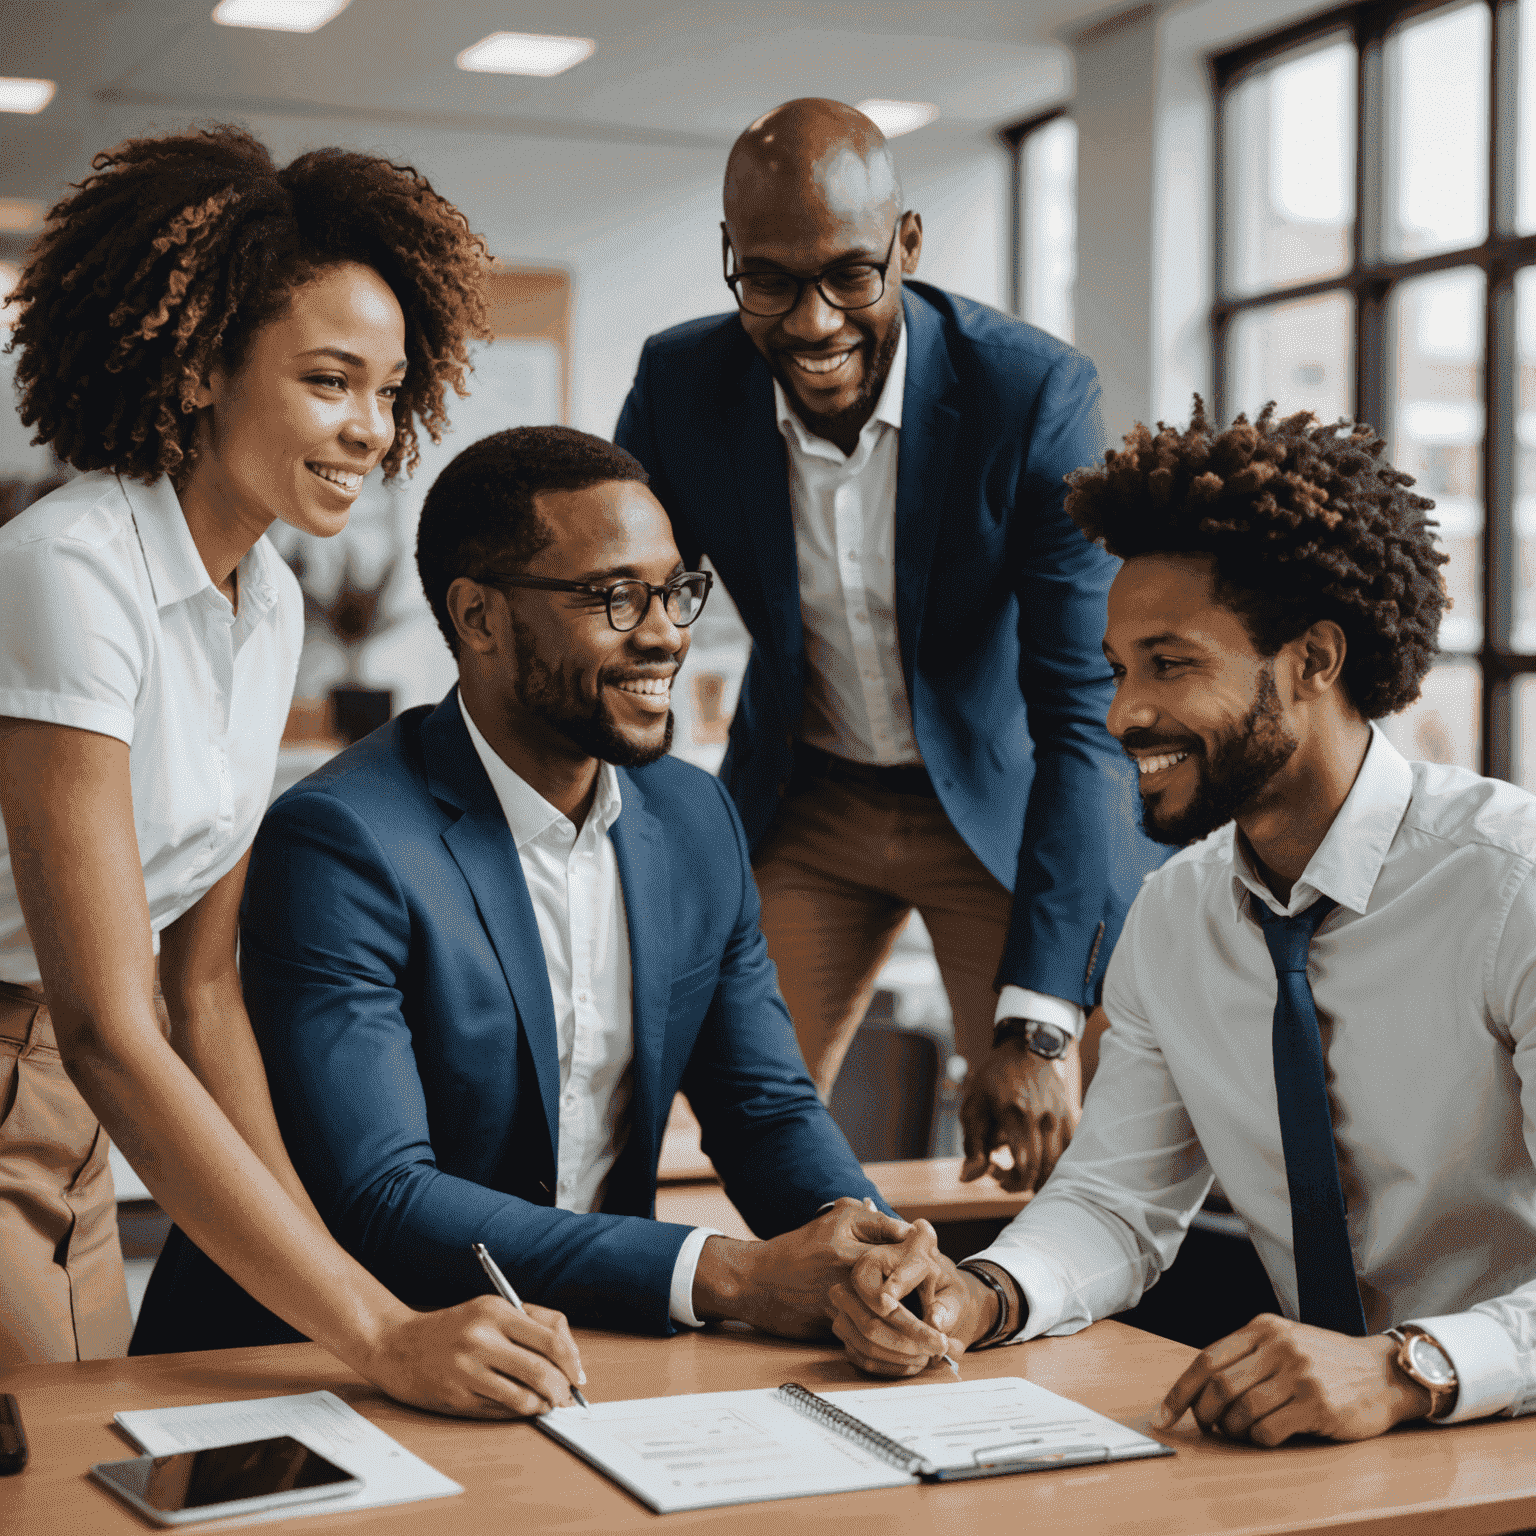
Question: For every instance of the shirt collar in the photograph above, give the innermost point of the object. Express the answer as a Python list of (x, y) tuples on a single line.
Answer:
[(1349, 858), (893, 395), (529, 815), (176, 570)]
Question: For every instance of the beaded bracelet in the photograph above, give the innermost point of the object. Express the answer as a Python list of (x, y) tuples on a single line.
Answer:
[(1001, 1326)]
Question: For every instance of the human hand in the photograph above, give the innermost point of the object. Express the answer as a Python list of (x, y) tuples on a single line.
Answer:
[(782, 1285), (1018, 1100), (1275, 1378), (482, 1359), (882, 1336)]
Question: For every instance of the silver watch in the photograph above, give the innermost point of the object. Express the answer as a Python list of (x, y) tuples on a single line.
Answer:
[(1046, 1040)]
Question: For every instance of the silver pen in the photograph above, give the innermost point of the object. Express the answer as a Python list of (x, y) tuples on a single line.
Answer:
[(504, 1290)]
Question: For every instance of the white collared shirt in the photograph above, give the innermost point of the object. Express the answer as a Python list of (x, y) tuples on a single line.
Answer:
[(844, 511), (856, 704), (573, 882), (1425, 984), (109, 622)]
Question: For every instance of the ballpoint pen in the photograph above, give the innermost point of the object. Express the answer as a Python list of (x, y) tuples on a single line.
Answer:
[(504, 1290)]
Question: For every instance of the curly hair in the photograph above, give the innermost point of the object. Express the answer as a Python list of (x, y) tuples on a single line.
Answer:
[(167, 260), (1303, 521), (479, 515)]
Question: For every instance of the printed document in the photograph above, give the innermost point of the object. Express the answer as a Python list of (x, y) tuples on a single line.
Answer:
[(390, 1473), (713, 1448)]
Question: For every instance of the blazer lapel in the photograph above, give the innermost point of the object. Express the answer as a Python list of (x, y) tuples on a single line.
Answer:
[(645, 875), (930, 423), (481, 845), (759, 476)]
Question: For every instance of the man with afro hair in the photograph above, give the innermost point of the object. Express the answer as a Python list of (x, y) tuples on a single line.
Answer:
[(1326, 1000)]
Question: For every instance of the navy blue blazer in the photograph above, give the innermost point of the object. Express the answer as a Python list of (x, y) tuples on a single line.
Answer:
[(999, 602), (396, 981)]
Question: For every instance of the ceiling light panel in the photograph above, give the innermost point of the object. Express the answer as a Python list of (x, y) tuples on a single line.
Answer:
[(279, 15), (19, 217), (894, 118), (525, 53), (18, 95)]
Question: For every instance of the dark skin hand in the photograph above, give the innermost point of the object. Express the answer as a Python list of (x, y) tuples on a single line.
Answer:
[(1020, 1101), (885, 1339), (781, 1286), (1275, 1378)]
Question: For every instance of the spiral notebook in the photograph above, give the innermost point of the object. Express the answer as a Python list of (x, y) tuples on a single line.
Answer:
[(713, 1448)]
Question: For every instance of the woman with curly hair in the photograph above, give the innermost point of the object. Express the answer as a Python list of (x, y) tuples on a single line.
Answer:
[(216, 344)]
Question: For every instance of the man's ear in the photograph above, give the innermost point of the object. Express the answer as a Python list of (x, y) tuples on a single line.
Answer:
[(1320, 652), (469, 608), (910, 242)]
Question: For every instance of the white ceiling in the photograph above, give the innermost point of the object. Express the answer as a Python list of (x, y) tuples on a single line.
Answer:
[(674, 71)]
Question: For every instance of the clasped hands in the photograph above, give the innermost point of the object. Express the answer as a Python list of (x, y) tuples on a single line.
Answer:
[(1264, 1383)]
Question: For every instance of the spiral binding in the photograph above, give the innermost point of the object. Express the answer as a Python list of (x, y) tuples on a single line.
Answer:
[(802, 1400)]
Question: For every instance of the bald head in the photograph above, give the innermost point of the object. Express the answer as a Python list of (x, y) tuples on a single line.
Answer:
[(811, 152)]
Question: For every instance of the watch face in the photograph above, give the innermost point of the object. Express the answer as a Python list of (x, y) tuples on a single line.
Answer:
[(1430, 1362), (1046, 1040)]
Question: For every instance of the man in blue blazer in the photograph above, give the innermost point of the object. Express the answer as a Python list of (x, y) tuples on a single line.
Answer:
[(485, 947), (875, 469)]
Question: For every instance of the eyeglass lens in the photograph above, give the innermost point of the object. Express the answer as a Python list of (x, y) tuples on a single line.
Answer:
[(776, 293), (629, 602)]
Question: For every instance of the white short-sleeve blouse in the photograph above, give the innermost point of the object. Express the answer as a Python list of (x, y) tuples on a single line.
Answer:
[(109, 622)]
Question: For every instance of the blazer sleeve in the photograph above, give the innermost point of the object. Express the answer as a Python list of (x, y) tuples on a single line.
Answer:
[(636, 434), (1082, 857), (778, 1151), (325, 953)]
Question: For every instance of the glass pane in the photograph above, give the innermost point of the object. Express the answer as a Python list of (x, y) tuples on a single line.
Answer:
[(1525, 190), (1290, 169), (1437, 126), (1048, 219), (1444, 724), (1300, 355), (1436, 331), (1523, 637), (1522, 754)]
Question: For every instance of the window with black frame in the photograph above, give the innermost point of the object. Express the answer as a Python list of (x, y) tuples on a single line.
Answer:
[(1376, 258), (1045, 221)]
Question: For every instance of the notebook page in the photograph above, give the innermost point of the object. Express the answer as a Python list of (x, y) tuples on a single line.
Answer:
[(711, 1448), (390, 1473), (949, 1422)]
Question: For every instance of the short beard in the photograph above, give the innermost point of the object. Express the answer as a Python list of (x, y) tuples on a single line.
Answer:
[(854, 416), (1243, 761), (591, 729)]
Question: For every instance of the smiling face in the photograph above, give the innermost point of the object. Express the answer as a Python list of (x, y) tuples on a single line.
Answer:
[(1196, 706), (568, 684), (291, 433), (832, 363)]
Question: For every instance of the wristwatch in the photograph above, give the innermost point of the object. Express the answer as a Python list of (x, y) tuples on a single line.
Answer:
[(1421, 1359), (1047, 1040)]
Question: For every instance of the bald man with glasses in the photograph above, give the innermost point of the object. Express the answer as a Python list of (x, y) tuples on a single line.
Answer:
[(875, 469)]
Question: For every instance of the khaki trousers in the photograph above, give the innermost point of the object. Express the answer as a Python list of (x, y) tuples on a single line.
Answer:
[(62, 1295), (839, 871)]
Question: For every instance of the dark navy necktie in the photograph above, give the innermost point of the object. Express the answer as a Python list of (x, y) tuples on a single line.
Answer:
[(1327, 1293)]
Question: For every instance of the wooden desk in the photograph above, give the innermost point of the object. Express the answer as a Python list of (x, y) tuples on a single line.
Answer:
[(928, 1187), (1475, 1480)]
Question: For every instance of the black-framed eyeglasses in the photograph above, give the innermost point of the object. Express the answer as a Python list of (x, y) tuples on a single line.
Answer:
[(846, 285), (628, 601)]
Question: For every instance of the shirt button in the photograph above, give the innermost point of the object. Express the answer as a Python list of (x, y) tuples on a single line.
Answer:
[(569, 1100), (581, 997), (861, 618)]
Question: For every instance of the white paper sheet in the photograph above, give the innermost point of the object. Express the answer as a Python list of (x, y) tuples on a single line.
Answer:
[(949, 1422), (713, 1448), (391, 1474)]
